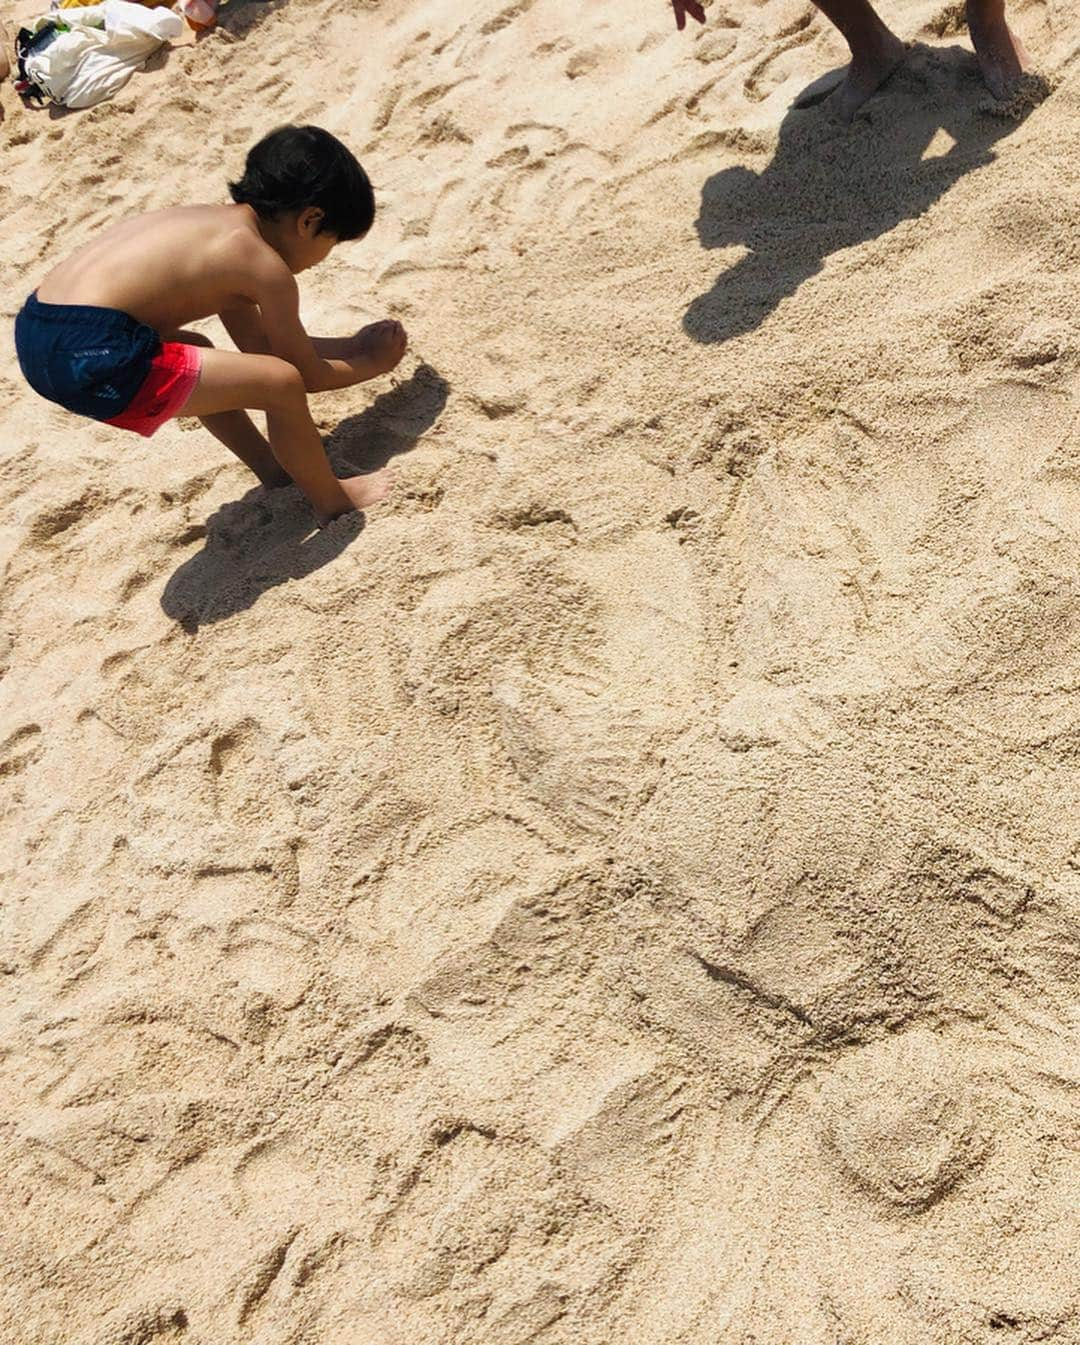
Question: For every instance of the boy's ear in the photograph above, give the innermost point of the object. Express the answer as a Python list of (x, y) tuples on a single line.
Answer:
[(309, 221)]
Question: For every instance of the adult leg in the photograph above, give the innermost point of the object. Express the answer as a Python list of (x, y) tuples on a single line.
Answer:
[(875, 52), (1001, 54), (236, 430), (231, 382)]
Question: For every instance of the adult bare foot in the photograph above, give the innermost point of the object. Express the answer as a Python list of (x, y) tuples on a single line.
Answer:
[(870, 67), (1002, 58), (361, 492)]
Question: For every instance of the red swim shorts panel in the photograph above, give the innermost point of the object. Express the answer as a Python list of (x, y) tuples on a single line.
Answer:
[(174, 371)]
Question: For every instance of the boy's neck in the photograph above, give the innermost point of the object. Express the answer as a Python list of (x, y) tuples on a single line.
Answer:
[(271, 232)]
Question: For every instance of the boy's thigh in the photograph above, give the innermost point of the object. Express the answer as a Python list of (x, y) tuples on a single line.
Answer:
[(231, 381)]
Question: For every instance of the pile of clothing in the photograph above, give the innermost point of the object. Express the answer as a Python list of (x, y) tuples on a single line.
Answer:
[(82, 53), (199, 13)]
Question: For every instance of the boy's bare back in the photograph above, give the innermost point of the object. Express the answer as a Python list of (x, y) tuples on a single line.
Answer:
[(171, 267)]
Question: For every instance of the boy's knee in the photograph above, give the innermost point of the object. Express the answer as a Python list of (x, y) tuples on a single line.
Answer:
[(286, 382)]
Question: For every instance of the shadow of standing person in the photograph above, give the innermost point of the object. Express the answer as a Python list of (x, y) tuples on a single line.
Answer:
[(830, 186), (269, 537)]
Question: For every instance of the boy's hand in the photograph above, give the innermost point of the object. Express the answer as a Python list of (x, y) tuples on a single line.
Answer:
[(684, 7), (377, 348)]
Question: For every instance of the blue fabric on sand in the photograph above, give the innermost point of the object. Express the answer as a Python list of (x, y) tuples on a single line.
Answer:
[(89, 360)]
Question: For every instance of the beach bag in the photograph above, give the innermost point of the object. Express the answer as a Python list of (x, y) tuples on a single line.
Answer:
[(92, 52)]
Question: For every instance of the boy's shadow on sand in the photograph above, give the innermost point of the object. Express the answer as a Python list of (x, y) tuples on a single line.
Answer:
[(830, 186), (269, 537)]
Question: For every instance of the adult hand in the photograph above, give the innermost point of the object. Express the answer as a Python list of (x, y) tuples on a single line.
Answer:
[(684, 7)]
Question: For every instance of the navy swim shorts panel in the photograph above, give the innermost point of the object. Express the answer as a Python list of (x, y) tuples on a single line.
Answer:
[(89, 360)]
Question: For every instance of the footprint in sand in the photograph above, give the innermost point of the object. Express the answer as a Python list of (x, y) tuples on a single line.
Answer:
[(466, 624), (459, 1223), (624, 1152), (443, 895), (581, 760), (900, 1124), (542, 175), (268, 957), (212, 800), (562, 664)]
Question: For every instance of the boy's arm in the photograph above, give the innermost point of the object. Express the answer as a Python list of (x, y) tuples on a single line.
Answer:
[(334, 347), (278, 298), (245, 327), (374, 350)]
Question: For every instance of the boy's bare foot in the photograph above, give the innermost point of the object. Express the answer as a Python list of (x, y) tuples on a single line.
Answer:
[(1002, 58), (868, 71), (361, 492), (377, 348)]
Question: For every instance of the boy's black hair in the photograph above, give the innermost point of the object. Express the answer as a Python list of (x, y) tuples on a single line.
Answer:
[(295, 167)]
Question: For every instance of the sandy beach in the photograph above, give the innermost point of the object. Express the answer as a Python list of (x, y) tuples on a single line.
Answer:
[(626, 887)]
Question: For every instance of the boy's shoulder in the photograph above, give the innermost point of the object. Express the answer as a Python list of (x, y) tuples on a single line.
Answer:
[(213, 225), (231, 230)]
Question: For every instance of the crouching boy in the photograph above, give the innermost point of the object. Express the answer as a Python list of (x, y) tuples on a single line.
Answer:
[(103, 335)]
